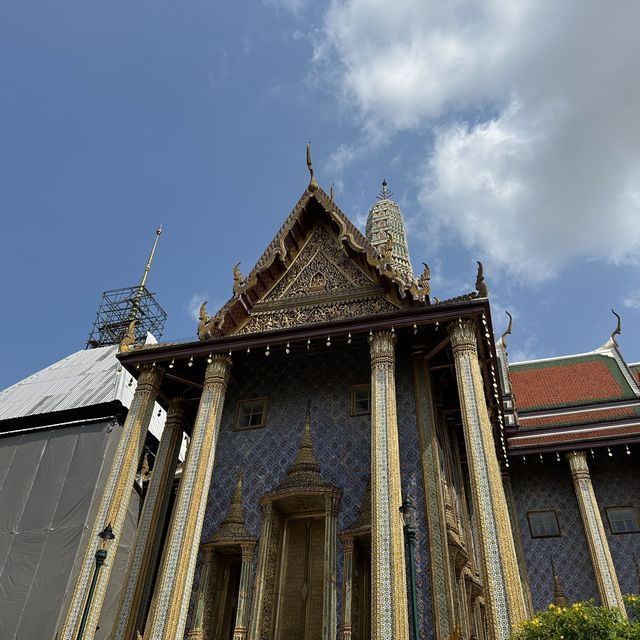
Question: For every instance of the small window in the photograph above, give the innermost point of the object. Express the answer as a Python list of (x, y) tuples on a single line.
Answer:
[(623, 519), (251, 414), (360, 399), (543, 524)]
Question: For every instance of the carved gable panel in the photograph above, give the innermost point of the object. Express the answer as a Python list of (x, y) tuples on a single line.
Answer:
[(320, 268)]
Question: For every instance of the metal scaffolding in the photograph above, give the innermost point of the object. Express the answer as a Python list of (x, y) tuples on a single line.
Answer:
[(118, 308)]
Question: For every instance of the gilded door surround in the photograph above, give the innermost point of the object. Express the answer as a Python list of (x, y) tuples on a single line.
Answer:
[(505, 600), (605, 572), (173, 589), (303, 491), (231, 537), (114, 503), (390, 618)]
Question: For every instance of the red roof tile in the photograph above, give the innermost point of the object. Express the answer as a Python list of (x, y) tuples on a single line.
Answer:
[(567, 382), (578, 417)]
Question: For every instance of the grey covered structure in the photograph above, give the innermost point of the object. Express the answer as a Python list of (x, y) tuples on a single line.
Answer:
[(58, 432)]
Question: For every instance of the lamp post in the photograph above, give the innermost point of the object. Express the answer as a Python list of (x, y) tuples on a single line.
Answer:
[(408, 510), (106, 535)]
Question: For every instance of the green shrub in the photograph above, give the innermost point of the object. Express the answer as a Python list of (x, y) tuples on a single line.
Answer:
[(580, 621)]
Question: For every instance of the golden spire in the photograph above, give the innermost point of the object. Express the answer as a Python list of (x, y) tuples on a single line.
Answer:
[(559, 598), (235, 515), (305, 460), (232, 528), (135, 305), (313, 185)]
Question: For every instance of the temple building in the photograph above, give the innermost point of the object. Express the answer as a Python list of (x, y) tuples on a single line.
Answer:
[(364, 462)]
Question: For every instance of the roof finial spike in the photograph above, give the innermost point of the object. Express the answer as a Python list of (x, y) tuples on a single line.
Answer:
[(331, 194), (384, 194), (503, 337), (135, 304), (313, 185), (481, 285), (618, 330)]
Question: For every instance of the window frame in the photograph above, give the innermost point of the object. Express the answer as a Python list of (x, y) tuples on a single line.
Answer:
[(265, 406), (631, 508), (352, 404), (535, 536)]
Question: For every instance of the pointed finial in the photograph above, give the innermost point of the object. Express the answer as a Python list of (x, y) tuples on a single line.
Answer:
[(481, 286), (129, 338), (331, 194), (384, 193), (305, 459), (618, 330), (559, 598), (313, 185), (503, 337)]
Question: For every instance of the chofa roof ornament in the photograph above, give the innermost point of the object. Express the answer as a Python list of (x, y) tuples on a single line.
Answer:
[(313, 185)]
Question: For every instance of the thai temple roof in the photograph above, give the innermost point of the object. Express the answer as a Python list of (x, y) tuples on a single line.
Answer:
[(591, 397)]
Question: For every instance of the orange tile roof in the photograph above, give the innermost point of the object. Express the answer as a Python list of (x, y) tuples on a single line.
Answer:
[(579, 417), (566, 382)]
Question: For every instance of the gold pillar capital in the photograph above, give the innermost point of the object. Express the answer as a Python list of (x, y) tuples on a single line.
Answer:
[(176, 412), (382, 346), (149, 379), (218, 370), (247, 549), (463, 335), (578, 463)]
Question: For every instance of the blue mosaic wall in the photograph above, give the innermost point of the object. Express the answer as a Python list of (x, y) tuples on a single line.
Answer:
[(544, 486), (616, 482), (341, 442)]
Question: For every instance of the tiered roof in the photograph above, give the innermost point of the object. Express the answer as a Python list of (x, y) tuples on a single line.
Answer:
[(586, 398)]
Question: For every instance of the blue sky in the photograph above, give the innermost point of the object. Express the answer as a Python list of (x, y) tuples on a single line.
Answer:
[(507, 131)]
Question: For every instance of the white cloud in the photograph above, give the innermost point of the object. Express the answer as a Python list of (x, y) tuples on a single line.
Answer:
[(193, 306), (533, 111), (632, 301)]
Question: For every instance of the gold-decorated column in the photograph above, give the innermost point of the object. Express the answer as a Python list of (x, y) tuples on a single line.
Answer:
[(134, 599), (169, 613), (503, 589), (199, 617), (347, 587), (114, 503), (242, 609), (330, 600), (263, 560), (606, 577), (390, 619)]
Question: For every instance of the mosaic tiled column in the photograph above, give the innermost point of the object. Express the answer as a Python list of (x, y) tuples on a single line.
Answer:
[(390, 619), (134, 599), (114, 504), (263, 559), (198, 627), (173, 589), (347, 587), (330, 600), (505, 600), (442, 575), (242, 612), (606, 577)]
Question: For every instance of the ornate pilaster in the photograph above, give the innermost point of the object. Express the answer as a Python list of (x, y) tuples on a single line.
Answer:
[(198, 629), (505, 600), (114, 503), (347, 587), (330, 600), (606, 577), (242, 613), (263, 561), (135, 595), (389, 594), (168, 617), (442, 576)]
